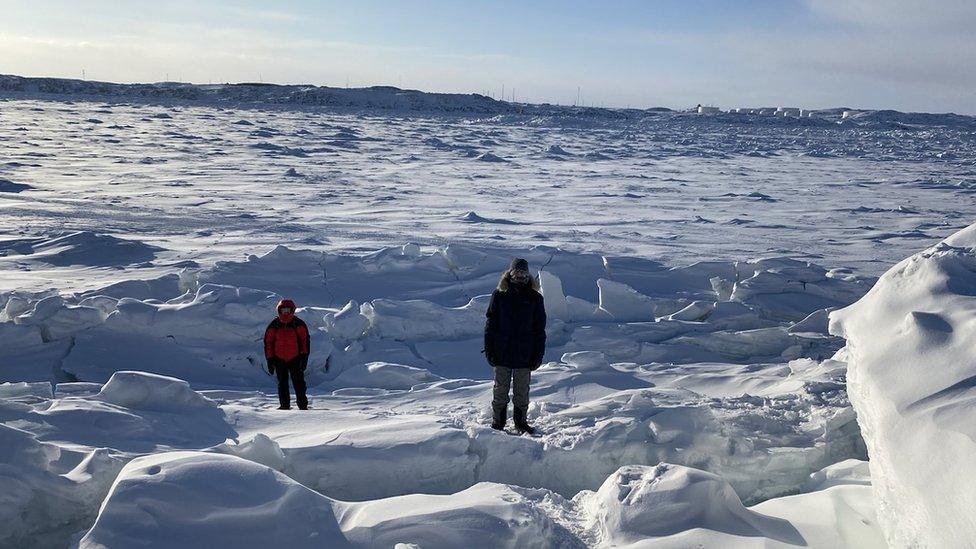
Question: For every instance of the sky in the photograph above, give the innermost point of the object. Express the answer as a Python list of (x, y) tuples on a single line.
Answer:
[(910, 55)]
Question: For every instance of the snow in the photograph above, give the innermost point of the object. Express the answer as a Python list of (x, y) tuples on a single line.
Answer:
[(193, 499), (909, 348), (143, 391), (695, 271), (637, 503)]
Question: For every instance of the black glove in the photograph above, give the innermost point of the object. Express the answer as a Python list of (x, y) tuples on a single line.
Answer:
[(271, 366), (304, 362)]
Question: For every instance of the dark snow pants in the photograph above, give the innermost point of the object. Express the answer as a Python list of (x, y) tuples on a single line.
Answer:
[(291, 368), (504, 378)]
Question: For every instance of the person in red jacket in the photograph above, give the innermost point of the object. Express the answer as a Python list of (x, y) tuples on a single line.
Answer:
[(286, 348)]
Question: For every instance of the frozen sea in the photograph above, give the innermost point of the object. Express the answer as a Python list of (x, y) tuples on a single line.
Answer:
[(208, 183), (692, 393)]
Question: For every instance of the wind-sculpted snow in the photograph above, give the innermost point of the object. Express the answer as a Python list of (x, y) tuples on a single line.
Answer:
[(188, 499), (695, 365), (160, 500), (187, 182), (688, 263), (910, 348)]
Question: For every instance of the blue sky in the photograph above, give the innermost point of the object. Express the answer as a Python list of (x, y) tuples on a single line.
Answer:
[(903, 54)]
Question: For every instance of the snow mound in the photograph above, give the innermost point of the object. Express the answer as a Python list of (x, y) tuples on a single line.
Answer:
[(146, 391), (912, 381), (488, 156), (82, 248), (195, 499), (8, 186), (40, 506), (639, 502), (837, 510), (261, 449), (472, 217), (484, 515)]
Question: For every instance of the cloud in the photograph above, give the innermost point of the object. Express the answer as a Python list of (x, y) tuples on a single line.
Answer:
[(939, 15)]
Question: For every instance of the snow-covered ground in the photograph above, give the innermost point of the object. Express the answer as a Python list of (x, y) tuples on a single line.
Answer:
[(691, 392)]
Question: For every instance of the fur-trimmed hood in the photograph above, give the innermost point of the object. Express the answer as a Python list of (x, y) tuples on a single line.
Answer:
[(506, 279)]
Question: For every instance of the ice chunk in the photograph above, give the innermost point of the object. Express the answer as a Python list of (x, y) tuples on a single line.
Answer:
[(587, 361), (696, 311), (815, 322), (557, 308), (38, 506), (420, 319), (912, 381), (626, 304), (348, 323), (39, 389), (145, 391)]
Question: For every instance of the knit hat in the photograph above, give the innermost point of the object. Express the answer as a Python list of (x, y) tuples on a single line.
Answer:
[(519, 264)]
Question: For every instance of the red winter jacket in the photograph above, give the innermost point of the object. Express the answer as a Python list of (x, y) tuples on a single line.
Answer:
[(286, 340)]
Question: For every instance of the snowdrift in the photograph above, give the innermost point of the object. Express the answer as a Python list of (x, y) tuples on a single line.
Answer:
[(195, 499), (910, 348), (192, 499)]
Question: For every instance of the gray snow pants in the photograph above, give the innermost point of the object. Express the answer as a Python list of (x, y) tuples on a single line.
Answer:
[(520, 395)]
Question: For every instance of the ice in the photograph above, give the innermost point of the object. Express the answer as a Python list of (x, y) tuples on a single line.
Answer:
[(144, 391), (419, 320), (194, 499), (624, 304), (40, 506), (637, 503), (81, 248), (689, 266), (8, 186), (348, 323), (485, 515), (382, 375), (909, 349), (40, 389)]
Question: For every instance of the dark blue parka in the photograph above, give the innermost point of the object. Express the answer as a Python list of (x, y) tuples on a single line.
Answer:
[(515, 328)]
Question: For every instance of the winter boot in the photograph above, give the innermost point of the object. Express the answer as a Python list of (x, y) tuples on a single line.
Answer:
[(521, 425), (499, 415)]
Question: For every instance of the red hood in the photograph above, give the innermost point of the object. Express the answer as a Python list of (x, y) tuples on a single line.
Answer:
[(286, 318)]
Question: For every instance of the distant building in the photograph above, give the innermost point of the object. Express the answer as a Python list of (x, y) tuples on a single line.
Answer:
[(708, 110)]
